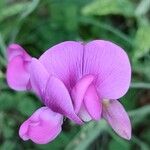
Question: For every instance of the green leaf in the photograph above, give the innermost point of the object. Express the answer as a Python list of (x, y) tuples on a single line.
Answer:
[(2, 3), (146, 135), (92, 130), (140, 85), (138, 115), (8, 145), (106, 28), (143, 8), (141, 144), (142, 68), (142, 41), (26, 106), (87, 135), (28, 9), (8, 132), (129, 100), (2, 48), (1, 120), (7, 101), (109, 7), (115, 145), (12, 10)]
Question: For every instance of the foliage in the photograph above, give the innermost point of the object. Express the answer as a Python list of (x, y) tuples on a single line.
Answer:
[(39, 24), (100, 7)]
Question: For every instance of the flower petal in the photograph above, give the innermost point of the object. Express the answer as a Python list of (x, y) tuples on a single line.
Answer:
[(111, 65), (17, 68), (83, 114), (79, 90), (58, 99), (117, 117), (38, 77), (64, 61), (92, 103), (42, 127), (17, 74), (14, 50)]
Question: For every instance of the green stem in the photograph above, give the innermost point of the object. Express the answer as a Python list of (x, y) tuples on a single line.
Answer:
[(2, 47), (142, 144), (107, 27), (140, 85), (143, 111), (2, 61)]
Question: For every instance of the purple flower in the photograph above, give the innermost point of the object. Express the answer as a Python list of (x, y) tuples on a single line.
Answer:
[(43, 126), (80, 81)]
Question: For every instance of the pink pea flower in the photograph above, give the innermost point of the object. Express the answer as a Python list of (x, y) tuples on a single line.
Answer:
[(80, 81)]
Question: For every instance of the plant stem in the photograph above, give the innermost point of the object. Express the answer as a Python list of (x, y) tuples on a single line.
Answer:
[(140, 85), (105, 26)]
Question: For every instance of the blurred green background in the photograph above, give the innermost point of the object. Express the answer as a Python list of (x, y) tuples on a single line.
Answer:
[(40, 24)]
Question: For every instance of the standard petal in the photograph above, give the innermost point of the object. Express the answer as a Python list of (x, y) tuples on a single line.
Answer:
[(93, 103), (42, 127), (58, 99), (79, 90), (14, 50), (17, 74), (38, 77), (110, 64), (117, 117), (64, 61)]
